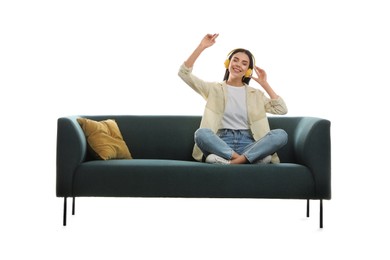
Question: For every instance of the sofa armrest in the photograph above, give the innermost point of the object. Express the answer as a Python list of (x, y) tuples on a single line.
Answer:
[(313, 149), (71, 151)]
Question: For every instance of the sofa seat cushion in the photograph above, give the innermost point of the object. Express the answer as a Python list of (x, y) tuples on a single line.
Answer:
[(171, 178)]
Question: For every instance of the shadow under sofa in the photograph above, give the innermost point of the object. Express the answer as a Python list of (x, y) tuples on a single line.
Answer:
[(162, 164)]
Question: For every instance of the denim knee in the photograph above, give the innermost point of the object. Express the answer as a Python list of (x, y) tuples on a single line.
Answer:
[(281, 136), (201, 133)]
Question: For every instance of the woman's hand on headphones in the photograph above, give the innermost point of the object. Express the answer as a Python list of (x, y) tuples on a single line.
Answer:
[(261, 75), (209, 40), (262, 80)]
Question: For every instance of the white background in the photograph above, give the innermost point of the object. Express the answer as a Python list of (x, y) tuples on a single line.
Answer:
[(327, 59)]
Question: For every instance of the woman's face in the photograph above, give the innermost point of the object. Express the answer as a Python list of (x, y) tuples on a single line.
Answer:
[(239, 64)]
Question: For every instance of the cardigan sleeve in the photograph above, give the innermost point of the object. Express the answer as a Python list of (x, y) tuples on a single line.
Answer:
[(197, 84), (275, 106)]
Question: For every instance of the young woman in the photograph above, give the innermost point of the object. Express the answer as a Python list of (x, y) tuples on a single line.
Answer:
[(234, 128)]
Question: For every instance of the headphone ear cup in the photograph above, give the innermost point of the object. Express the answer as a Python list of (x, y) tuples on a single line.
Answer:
[(226, 63), (248, 73)]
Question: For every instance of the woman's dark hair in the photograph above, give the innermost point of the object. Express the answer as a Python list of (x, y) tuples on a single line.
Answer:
[(251, 63)]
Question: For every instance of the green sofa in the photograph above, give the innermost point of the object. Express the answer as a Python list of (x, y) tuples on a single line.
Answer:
[(162, 164)]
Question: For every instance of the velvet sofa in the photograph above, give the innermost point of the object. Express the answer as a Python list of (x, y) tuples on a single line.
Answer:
[(161, 163)]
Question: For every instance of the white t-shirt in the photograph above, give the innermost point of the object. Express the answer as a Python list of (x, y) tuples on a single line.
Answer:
[(235, 116)]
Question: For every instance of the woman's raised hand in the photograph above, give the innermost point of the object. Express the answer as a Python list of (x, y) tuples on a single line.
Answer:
[(208, 40)]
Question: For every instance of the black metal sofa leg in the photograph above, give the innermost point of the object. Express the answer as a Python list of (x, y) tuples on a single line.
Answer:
[(64, 219), (65, 206), (308, 208), (321, 212), (73, 205)]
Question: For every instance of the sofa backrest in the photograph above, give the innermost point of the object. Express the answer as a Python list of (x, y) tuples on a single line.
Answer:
[(157, 137), (172, 136), (288, 124)]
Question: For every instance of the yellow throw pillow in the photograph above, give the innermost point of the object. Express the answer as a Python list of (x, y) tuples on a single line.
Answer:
[(105, 139)]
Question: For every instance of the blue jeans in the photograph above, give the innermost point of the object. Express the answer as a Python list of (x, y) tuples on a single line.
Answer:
[(227, 141)]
